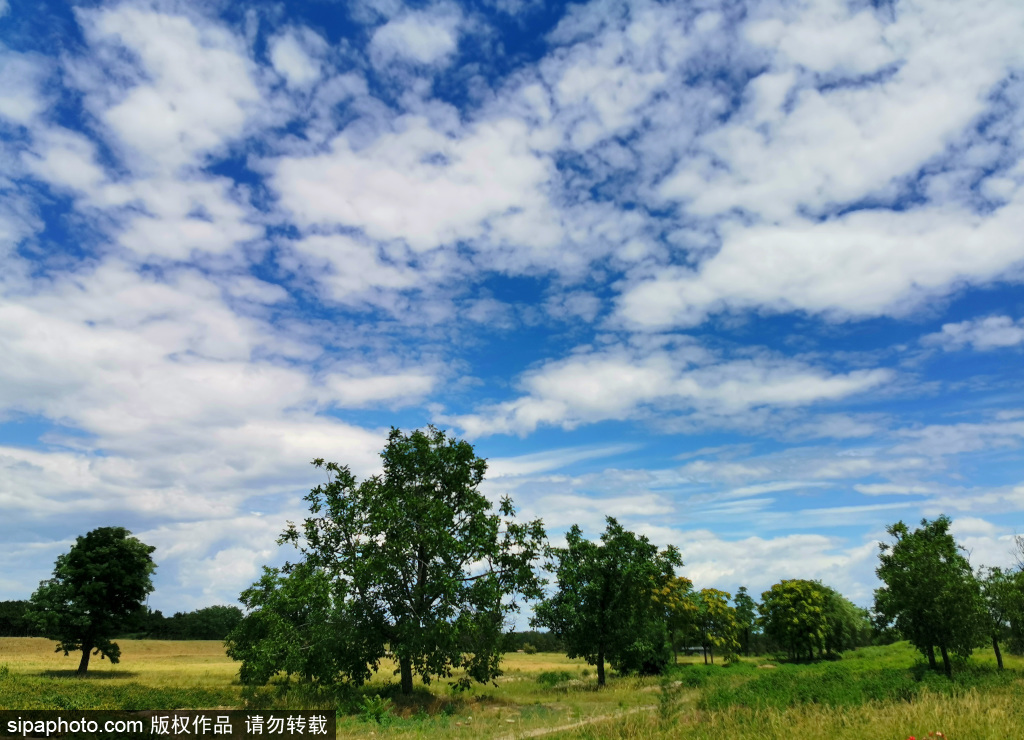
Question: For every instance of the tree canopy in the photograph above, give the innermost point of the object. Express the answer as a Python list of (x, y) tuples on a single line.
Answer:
[(929, 591), (96, 589), (717, 626), (414, 564), (746, 617), (604, 607)]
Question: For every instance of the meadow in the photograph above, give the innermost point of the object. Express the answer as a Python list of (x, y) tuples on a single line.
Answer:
[(877, 692)]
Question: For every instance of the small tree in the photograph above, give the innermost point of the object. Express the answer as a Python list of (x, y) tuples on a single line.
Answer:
[(847, 626), (746, 617), (96, 589), (680, 612), (604, 608), (930, 592), (1003, 596), (412, 564), (716, 623)]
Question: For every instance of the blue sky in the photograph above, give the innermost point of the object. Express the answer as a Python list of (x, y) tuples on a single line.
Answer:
[(746, 276)]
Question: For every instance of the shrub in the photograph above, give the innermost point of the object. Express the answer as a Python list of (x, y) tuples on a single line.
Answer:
[(550, 679)]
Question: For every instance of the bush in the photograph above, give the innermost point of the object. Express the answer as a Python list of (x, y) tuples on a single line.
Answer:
[(376, 709), (550, 679), (529, 649)]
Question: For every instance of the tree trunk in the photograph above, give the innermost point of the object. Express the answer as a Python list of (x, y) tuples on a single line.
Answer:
[(600, 667), (705, 649), (83, 665), (945, 662), (406, 665), (931, 658), (999, 655), (712, 655)]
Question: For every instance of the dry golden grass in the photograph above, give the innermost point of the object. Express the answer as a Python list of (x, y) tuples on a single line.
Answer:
[(151, 662)]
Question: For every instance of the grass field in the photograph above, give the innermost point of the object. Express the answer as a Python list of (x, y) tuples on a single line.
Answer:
[(871, 693)]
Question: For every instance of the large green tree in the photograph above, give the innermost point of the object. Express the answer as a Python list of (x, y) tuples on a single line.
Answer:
[(605, 606), (97, 588), (793, 616), (414, 564), (929, 592)]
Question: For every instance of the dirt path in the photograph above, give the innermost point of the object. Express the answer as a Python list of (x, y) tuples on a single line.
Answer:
[(541, 731)]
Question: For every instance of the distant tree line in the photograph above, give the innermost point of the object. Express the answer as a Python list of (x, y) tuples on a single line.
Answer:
[(14, 621), (532, 641), (209, 623)]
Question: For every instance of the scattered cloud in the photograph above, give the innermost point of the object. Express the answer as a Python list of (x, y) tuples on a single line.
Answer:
[(989, 333), (618, 383), (428, 37)]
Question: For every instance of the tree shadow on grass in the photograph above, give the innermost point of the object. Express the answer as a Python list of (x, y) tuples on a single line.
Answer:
[(98, 675)]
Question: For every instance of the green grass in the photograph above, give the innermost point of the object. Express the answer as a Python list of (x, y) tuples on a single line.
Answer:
[(872, 693)]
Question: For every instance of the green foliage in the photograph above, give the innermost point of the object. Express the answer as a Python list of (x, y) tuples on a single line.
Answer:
[(412, 564), (550, 679), (376, 709), (1003, 599), (670, 695), (296, 625), (14, 621), (529, 648), (604, 608), (716, 623), (793, 615), (544, 642), (746, 618), (96, 589), (833, 685), (846, 626), (930, 592), (209, 623), (680, 611)]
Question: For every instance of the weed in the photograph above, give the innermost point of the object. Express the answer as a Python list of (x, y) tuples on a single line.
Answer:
[(376, 709)]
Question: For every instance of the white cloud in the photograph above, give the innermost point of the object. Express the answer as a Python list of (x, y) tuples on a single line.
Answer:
[(64, 158), (539, 462), (424, 37), (373, 388), (991, 332), (954, 439), (197, 91), (426, 187), (886, 489), (867, 263), (618, 384), (293, 55), (21, 98)]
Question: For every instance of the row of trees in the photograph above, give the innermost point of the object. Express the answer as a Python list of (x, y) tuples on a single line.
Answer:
[(414, 565), (619, 600), (17, 619)]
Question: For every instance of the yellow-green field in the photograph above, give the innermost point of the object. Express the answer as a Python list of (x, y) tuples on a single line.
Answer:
[(694, 703)]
